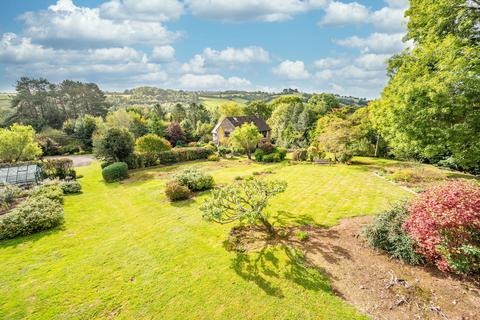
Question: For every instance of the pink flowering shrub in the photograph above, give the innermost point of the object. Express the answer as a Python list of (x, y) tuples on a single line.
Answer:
[(445, 223)]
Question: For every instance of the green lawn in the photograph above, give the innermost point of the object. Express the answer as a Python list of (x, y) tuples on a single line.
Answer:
[(125, 252)]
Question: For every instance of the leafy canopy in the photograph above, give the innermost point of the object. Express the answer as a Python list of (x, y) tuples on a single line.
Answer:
[(246, 137), (17, 143), (243, 201), (152, 144)]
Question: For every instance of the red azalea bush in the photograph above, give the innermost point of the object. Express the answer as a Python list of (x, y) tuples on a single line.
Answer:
[(445, 222)]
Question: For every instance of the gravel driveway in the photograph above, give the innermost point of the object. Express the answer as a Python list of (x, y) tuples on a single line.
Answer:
[(78, 161)]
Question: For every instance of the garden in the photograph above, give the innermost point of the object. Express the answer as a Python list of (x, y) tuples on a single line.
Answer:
[(125, 249)]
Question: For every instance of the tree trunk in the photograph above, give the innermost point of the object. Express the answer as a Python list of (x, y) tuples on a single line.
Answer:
[(376, 146), (249, 155), (268, 226)]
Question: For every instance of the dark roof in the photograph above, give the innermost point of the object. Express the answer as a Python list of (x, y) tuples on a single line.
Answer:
[(260, 123)]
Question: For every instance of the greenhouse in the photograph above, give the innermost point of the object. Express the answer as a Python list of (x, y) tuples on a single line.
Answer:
[(24, 174)]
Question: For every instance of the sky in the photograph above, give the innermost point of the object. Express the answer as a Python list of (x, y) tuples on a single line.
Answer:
[(314, 45)]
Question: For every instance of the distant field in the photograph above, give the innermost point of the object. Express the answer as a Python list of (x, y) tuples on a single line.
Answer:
[(212, 102)]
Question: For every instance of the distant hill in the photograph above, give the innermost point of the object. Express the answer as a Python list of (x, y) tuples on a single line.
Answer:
[(153, 95)]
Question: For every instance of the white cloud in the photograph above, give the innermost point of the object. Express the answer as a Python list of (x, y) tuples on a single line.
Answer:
[(398, 3), (14, 49), (373, 61), (163, 53), (145, 10), (237, 55), (195, 65), (339, 13), (252, 10), (65, 24), (389, 19), (291, 70), (109, 65), (212, 82), (328, 62), (377, 43)]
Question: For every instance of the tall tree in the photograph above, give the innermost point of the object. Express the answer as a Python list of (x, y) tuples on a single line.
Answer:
[(246, 137), (259, 108), (291, 122), (430, 108)]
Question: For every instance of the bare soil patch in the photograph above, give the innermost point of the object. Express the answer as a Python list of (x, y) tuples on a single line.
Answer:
[(375, 284)]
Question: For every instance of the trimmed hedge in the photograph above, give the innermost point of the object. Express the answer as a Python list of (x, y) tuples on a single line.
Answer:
[(277, 155), (115, 172), (137, 160), (184, 154), (37, 213)]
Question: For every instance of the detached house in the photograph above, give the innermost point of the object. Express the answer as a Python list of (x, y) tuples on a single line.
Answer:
[(225, 127)]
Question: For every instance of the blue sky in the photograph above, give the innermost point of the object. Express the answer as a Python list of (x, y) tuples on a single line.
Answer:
[(314, 45)]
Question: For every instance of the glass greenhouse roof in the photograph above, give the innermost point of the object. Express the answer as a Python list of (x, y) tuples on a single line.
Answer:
[(20, 175)]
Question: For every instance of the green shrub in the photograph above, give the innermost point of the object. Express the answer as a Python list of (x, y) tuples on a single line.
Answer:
[(302, 235), (277, 155), (223, 151), (115, 172), (213, 157), (404, 175), (258, 155), (195, 180), (300, 155), (152, 144), (176, 192), (8, 194), (184, 154), (51, 190), (266, 146), (70, 187), (344, 157), (35, 214), (386, 233), (58, 169)]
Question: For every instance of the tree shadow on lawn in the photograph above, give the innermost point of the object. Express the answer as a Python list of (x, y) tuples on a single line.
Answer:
[(286, 218), (20, 240), (271, 265)]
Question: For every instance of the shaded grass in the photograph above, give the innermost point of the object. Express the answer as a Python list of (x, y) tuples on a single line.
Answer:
[(126, 252)]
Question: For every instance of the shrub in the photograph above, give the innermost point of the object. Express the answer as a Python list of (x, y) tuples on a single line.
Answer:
[(277, 155), (70, 187), (266, 146), (176, 192), (115, 172), (184, 154), (35, 214), (223, 151), (213, 157), (344, 157), (195, 180), (8, 194), (50, 190), (386, 233), (300, 155), (404, 175), (258, 155), (61, 168), (152, 144), (302, 236), (445, 222)]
